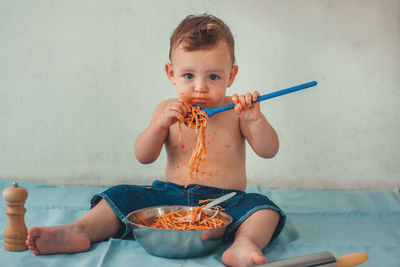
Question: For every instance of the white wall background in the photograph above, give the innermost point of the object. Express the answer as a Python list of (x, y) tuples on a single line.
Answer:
[(79, 81)]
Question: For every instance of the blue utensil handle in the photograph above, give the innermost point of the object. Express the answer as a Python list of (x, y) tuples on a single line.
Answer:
[(213, 111), (285, 91)]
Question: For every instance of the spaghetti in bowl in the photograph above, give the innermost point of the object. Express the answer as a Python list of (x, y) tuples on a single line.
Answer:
[(176, 243)]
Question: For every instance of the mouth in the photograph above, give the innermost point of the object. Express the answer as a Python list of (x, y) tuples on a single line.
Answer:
[(199, 100)]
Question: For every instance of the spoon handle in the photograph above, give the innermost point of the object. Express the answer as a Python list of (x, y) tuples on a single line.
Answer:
[(213, 111), (285, 91), (220, 200)]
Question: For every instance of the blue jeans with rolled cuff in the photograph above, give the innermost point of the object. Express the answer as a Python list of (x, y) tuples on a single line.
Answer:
[(124, 199)]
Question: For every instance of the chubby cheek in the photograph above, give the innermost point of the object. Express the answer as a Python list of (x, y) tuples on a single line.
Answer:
[(219, 95), (184, 96)]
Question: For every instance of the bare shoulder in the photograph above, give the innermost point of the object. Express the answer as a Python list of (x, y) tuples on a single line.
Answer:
[(167, 101), (228, 100), (163, 104), (227, 119)]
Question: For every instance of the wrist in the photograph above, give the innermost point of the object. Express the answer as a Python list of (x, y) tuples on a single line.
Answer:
[(158, 129), (254, 119), (160, 124)]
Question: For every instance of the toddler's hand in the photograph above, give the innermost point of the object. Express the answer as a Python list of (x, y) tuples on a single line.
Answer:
[(172, 113), (244, 107)]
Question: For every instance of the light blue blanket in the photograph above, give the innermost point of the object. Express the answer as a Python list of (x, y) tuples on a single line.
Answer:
[(338, 221)]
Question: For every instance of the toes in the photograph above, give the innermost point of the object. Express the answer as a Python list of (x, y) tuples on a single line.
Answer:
[(248, 259), (254, 258), (34, 232), (34, 249), (260, 260), (32, 246), (30, 238)]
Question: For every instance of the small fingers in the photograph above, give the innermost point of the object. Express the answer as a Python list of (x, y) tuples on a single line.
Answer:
[(238, 105), (178, 116), (235, 99), (180, 107), (248, 98), (256, 94), (245, 100), (178, 110), (244, 104), (238, 108), (185, 106)]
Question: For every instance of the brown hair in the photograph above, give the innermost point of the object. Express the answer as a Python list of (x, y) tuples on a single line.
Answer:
[(202, 32)]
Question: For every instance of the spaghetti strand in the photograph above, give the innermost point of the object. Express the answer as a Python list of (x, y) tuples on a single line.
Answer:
[(196, 119), (173, 220)]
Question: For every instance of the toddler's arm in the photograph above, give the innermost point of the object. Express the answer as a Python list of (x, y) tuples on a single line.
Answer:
[(149, 143), (254, 126)]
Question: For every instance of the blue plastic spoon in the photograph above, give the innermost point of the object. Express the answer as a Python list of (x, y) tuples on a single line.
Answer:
[(212, 111)]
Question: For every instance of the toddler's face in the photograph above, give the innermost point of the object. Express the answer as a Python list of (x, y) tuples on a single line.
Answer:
[(202, 76)]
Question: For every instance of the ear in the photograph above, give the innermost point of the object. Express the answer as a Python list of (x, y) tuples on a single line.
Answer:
[(169, 70), (232, 75)]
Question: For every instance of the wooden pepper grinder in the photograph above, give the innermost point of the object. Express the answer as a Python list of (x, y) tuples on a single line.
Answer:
[(15, 233)]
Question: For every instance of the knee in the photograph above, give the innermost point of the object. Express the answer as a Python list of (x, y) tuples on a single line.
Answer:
[(267, 214)]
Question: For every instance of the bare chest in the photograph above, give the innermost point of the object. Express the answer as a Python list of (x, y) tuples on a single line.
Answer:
[(224, 164), (222, 137)]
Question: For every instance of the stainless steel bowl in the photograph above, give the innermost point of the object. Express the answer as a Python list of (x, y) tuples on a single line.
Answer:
[(175, 243)]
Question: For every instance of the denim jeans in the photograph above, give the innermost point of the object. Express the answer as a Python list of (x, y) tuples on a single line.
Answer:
[(124, 199)]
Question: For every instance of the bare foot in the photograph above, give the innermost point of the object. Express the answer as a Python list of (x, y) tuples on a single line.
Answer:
[(57, 239), (243, 253)]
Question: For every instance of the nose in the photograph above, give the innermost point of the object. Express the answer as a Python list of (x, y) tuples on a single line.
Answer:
[(201, 86)]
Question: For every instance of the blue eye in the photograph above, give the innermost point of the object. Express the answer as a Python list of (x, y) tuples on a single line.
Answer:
[(214, 77), (188, 76)]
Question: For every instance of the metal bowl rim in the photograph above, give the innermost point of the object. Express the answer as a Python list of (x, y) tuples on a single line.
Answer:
[(163, 206)]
